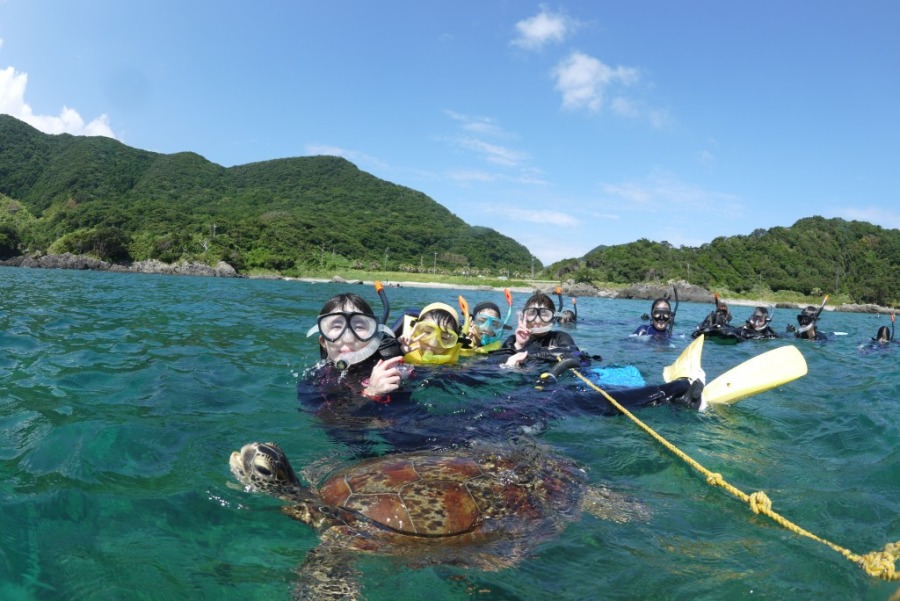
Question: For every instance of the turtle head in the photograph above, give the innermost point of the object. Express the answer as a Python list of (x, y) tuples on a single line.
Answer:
[(263, 467)]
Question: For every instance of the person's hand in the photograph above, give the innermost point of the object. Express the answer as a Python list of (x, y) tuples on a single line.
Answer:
[(385, 377), (522, 332), (516, 360), (404, 344)]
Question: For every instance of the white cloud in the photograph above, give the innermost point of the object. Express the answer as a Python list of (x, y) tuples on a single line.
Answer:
[(706, 158), (663, 193), (543, 217), (477, 136), (583, 80), (478, 125), (492, 153), (12, 102), (543, 28)]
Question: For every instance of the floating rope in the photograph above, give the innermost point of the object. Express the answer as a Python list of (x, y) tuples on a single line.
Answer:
[(880, 564)]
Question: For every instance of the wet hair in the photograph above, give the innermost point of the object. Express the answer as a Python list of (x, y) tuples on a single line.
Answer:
[(566, 317), (485, 306), (444, 319), (338, 302), (540, 300), (809, 314), (656, 304), (883, 335), (760, 312)]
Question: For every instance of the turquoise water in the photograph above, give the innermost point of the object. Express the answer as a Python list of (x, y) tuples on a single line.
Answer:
[(123, 396)]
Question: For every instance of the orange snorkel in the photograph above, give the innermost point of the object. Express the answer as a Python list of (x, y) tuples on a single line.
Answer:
[(379, 288)]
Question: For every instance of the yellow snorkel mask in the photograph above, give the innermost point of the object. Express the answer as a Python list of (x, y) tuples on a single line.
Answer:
[(429, 342)]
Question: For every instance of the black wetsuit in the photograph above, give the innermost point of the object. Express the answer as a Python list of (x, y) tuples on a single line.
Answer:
[(747, 332), (648, 330), (336, 398), (818, 335)]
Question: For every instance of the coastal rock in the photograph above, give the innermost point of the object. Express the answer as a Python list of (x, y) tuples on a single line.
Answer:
[(64, 261), (867, 308), (70, 261), (686, 292)]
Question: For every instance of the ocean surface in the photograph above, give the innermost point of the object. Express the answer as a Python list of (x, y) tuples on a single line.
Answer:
[(123, 395)]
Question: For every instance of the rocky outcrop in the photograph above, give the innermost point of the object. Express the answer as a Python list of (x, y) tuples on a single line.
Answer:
[(70, 261), (686, 292)]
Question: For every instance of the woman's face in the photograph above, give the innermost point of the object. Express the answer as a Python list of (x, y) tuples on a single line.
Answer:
[(538, 318), (345, 331), (428, 336), (487, 323), (660, 316)]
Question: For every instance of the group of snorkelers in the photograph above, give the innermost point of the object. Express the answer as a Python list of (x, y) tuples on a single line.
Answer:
[(757, 327), (368, 370)]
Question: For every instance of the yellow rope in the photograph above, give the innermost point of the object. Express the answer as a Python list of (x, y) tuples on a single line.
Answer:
[(877, 563)]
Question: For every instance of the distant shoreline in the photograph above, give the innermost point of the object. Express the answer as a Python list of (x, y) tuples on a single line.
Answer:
[(652, 292), (642, 291)]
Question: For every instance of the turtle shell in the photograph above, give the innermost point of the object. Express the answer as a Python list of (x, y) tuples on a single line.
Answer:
[(430, 495)]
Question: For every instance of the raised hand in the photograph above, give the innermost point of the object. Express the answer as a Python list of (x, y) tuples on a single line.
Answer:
[(523, 334)]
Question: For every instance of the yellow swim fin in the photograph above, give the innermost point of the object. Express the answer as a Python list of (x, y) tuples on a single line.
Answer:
[(687, 365), (765, 371)]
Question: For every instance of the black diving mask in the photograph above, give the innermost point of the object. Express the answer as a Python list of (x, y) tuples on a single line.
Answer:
[(333, 325)]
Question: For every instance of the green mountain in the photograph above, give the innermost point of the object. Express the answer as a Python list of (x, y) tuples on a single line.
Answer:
[(95, 195), (815, 256)]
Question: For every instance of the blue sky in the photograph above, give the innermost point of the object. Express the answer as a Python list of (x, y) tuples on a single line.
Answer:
[(562, 125)]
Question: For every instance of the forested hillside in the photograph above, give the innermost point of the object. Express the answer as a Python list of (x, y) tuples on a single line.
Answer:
[(815, 256), (94, 195), (99, 197)]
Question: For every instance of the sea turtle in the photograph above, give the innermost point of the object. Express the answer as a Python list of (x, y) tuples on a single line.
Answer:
[(484, 507)]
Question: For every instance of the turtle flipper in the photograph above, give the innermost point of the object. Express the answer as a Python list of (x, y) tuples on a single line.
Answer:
[(606, 504), (327, 574)]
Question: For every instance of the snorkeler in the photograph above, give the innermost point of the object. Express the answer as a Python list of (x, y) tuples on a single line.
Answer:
[(356, 349), (434, 337), (566, 315), (535, 337), (885, 335), (486, 327), (661, 320), (808, 319), (757, 326), (355, 390)]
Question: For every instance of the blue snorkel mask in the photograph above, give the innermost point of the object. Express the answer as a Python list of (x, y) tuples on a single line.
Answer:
[(491, 328)]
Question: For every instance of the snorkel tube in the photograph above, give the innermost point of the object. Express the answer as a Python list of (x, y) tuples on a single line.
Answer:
[(671, 326), (467, 321), (379, 288), (559, 298), (892, 326), (508, 296), (819, 312)]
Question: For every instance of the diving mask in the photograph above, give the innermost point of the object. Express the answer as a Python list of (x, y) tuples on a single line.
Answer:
[(539, 313), (534, 314), (332, 326), (489, 328), (758, 321), (430, 334), (662, 316)]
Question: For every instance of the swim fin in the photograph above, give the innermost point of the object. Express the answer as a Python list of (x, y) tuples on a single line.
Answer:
[(687, 365), (758, 374), (762, 372)]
